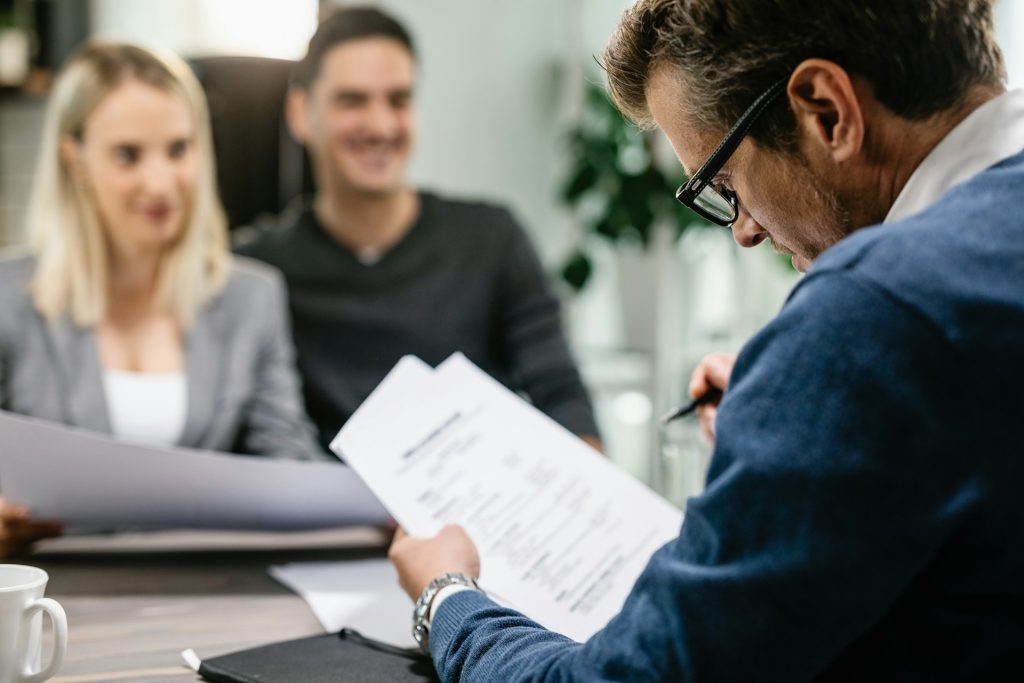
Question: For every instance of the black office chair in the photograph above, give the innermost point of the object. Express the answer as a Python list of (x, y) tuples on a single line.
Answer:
[(260, 168)]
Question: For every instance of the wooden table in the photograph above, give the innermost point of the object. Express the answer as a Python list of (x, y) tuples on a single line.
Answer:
[(134, 602)]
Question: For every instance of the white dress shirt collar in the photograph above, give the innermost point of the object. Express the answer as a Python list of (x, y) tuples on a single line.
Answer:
[(991, 133)]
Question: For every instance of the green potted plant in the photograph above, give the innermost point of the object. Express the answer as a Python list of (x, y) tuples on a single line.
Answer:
[(615, 185)]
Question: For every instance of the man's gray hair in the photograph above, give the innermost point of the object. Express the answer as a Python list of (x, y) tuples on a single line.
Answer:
[(920, 56)]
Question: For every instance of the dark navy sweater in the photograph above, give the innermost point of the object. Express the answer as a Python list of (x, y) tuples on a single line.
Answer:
[(864, 512)]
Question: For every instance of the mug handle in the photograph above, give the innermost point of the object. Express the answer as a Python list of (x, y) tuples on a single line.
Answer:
[(60, 638)]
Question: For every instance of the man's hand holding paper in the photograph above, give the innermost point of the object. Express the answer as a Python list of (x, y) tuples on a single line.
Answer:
[(421, 560), (561, 532)]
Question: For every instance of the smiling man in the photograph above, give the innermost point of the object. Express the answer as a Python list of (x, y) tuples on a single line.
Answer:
[(377, 269), (861, 519)]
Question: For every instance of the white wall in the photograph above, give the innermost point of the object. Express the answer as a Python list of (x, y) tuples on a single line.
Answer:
[(202, 28), (1010, 30)]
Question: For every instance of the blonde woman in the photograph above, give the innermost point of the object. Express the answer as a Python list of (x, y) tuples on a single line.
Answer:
[(130, 316)]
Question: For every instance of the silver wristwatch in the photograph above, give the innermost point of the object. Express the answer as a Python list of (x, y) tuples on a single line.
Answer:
[(421, 612)]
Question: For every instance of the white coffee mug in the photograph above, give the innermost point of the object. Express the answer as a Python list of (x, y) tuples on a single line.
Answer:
[(21, 625)]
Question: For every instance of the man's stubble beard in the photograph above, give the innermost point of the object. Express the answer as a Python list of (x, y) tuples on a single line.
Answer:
[(835, 214)]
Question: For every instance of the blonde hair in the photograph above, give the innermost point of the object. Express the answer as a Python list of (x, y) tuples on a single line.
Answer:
[(64, 230)]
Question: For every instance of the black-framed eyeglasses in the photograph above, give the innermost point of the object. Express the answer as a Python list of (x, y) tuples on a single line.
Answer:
[(718, 205)]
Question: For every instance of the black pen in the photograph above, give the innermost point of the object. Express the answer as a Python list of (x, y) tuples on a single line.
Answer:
[(703, 399)]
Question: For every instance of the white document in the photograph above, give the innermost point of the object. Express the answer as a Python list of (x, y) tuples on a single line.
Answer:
[(89, 479), (563, 534), (359, 594)]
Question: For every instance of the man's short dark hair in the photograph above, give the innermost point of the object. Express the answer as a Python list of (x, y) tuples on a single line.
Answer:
[(344, 25), (920, 56)]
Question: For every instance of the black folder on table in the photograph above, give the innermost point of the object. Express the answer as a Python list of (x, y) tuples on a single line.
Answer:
[(343, 657)]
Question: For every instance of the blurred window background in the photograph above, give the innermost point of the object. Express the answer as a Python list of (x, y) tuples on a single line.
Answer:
[(510, 107)]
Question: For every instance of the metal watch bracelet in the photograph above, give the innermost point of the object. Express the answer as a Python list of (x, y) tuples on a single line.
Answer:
[(421, 611)]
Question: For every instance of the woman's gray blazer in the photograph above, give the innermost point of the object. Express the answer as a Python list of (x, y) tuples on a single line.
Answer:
[(243, 390)]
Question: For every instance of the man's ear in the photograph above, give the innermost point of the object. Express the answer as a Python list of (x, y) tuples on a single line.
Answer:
[(827, 107), (296, 110)]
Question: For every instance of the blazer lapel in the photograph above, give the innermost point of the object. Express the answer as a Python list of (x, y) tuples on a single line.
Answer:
[(203, 369), (77, 362)]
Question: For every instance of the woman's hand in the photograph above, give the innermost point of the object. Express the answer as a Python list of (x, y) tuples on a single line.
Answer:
[(18, 531)]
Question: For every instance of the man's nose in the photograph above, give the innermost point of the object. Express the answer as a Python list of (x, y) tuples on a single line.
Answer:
[(382, 119), (747, 232)]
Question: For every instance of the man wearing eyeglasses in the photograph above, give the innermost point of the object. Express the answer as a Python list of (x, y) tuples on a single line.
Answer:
[(862, 514)]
